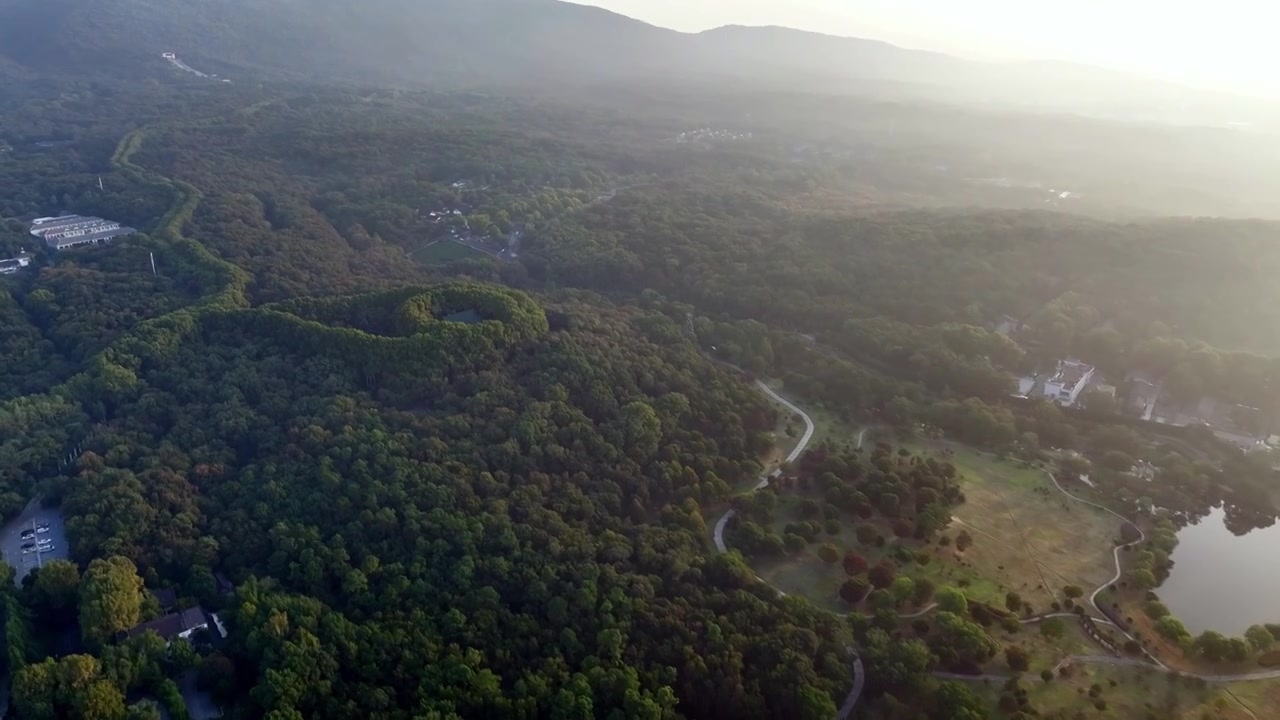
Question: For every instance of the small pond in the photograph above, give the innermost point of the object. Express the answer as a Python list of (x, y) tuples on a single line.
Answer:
[(1222, 581)]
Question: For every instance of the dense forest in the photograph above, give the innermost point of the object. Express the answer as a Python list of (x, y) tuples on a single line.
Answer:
[(478, 483), (551, 492)]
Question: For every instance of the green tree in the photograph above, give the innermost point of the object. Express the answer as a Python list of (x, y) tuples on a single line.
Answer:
[(1053, 628), (1142, 579), (951, 600), (901, 665), (1173, 629), (1260, 639), (814, 704), (854, 590), (143, 710), (958, 641), (954, 701), (923, 591), (829, 553), (1017, 658), (57, 585), (35, 691), (1237, 650), (903, 588), (110, 598)]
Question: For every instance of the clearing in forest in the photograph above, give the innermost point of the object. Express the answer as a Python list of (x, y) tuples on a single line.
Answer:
[(1028, 537)]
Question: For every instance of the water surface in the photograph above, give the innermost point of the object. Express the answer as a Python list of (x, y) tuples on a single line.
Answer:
[(1221, 581)]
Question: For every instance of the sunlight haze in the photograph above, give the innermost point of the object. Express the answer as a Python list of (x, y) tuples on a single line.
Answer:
[(1223, 45)]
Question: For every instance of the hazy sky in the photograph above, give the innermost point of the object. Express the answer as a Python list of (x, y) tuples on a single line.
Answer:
[(1224, 43)]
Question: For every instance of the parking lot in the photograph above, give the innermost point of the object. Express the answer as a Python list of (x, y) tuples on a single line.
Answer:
[(11, 541)]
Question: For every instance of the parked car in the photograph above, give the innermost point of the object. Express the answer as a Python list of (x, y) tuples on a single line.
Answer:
[(28, 534), (44, 541), (28, 546), (42, 528), (28, 551), (46, 548)]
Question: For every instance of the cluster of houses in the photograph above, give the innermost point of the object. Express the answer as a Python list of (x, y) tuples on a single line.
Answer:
[(710, 135), (1235, 424)]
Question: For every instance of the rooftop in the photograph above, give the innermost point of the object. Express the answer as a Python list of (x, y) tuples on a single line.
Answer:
[(89, 237), (1071, 372), (173, 624), (45, 224)]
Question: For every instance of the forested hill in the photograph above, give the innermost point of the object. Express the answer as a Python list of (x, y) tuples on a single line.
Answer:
[(506, 525), (545, 44)]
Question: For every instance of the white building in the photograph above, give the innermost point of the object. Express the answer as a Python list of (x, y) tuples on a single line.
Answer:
[(68, 231), (1071, 378), (14, 264)]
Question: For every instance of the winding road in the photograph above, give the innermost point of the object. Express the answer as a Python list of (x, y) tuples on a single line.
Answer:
[(859, 672)]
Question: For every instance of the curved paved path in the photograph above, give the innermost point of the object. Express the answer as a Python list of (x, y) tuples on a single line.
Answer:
[(859, 673), (1115, 552), (799, 449)]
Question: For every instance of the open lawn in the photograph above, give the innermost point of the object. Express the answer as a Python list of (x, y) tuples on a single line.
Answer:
[(443, 251), (1262, 697), (1044, 653), (1028, 537), (1137, 693), (834, 430)]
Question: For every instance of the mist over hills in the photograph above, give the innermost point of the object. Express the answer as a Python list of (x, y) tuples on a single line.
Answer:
[(530, 43)]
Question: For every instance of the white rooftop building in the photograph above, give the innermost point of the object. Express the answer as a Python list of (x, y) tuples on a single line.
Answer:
[(68, 231), (1071, 378)]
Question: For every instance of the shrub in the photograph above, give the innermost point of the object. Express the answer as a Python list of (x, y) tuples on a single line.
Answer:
[(882, 575), (1046, 675), (1017, 658), (1271, 658), (854, 590), (854, 564)]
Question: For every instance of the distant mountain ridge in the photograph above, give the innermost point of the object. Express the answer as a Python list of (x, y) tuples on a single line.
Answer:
[(495, 43)]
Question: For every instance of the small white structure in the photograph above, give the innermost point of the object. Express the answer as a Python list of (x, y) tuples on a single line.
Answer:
[(14, 264), (1026, 385), (1071, 378), (169, 56), (221, 626)]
